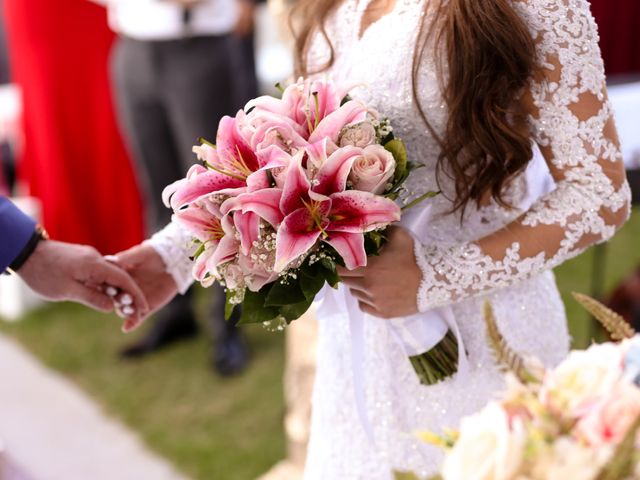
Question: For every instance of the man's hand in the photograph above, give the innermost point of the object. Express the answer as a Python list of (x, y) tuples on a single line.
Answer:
[(388, 286), (147, 268), (64, 271)]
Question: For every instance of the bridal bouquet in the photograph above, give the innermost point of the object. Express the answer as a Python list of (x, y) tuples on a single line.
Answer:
[(293, 187), (580, 420)]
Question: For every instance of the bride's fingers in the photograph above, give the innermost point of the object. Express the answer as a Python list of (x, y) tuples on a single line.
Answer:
[(355, 283), (346, 273), (366, 308), (362, 296)]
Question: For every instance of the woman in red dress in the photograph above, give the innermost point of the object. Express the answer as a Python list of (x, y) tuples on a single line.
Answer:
[(74, 160)]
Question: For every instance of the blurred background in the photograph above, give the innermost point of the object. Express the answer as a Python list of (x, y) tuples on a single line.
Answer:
[(100, 102)]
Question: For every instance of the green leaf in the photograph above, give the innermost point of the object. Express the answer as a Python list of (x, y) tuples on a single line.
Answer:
[(254, 309), (399, 152), (288, 294), (373, 242), (295, 311), (330, 271), (312, 279), (328, 263), (332, 278)]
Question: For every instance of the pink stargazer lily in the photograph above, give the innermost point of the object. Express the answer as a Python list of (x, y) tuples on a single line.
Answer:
[(314, 107), (305, 102), (206, 223), (233, 155), (200, 182), (304, 214)]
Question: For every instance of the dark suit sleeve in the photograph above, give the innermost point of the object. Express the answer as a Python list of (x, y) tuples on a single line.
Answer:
[(16, 229)]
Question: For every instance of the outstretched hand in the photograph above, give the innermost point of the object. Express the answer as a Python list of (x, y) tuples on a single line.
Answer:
[(64, 271), (147, 268), (388, 286)]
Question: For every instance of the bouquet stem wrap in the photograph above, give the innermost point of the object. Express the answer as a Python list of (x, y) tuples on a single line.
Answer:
[(432, 342)]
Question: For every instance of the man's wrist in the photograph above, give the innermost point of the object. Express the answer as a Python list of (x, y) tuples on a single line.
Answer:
[(39, 234)]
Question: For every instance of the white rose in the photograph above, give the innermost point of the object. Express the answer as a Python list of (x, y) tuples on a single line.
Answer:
[(359, 135), (490, 447), (372, 170), (583, 377)]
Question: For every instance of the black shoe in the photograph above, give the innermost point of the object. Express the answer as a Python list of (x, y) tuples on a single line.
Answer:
[(230, 355), (170, 327)]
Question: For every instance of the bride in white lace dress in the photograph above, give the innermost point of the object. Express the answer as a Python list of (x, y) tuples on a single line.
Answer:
[(514, 229)]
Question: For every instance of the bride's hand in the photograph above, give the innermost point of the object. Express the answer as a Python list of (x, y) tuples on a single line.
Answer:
[(148, 270), (388, 286)]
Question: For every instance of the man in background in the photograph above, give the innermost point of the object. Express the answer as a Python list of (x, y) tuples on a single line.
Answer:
[(174, 73)]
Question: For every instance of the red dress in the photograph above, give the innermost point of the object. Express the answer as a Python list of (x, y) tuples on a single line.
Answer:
[(74, 160)]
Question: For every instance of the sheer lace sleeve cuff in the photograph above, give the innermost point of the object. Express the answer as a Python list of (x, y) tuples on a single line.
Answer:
[(173, 244), (460, 271), (449, 273)]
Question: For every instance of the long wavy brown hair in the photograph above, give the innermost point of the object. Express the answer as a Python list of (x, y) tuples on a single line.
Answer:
[(489, 56)]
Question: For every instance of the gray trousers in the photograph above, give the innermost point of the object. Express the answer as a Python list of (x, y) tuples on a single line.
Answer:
[(169, 93)]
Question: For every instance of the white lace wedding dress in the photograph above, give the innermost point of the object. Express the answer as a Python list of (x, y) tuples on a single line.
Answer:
[(502, 255)]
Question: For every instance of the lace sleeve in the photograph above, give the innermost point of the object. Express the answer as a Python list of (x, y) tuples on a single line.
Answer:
[(174, 246), (572, 122)]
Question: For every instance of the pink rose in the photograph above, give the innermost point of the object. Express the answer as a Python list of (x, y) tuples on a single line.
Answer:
[(372, 170), (359, 135), (610, 418)]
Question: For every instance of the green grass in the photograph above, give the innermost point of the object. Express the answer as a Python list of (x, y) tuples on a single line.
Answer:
[(225, 429)]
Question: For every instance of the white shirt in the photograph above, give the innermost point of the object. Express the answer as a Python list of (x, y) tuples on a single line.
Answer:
[(163, 19)]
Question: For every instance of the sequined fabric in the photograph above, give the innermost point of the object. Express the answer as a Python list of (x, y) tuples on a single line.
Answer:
[(498, 254)]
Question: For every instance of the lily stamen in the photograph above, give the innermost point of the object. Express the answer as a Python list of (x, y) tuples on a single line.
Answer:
[(313, 208)]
